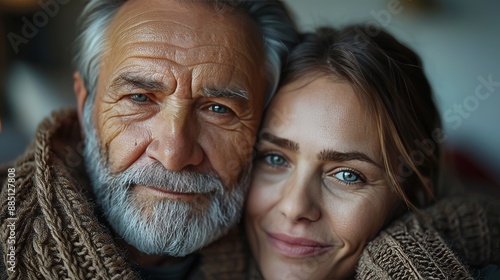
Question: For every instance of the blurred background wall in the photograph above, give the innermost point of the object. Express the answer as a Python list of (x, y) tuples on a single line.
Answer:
[(36, 38), (458, 40)]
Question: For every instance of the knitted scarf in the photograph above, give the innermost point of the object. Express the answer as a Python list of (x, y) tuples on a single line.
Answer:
[(443, 242), (56, 232)]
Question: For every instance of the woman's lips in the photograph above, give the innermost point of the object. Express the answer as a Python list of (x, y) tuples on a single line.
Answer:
[(296, 247)]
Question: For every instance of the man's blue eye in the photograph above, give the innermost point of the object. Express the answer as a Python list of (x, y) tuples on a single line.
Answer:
[(275, 160), (348, 176), (139, 97), (218, 109)]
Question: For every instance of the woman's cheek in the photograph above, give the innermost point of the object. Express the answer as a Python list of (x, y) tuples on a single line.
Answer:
[(262, 194)]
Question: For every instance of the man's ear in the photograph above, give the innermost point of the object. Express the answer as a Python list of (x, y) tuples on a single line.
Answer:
[(81, 94)]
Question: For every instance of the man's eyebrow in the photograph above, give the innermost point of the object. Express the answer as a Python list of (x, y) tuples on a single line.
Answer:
[(148, 84), (281, 142), (331, 155), (226, 92)]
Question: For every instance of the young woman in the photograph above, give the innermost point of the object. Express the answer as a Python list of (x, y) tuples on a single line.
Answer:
[(350, 142)]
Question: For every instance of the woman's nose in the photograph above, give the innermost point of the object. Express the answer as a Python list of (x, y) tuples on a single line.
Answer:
[(300, 200)]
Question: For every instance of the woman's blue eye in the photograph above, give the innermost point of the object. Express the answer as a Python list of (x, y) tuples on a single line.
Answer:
[(219, 109), (139, 97), (348, 176), (275, 160)]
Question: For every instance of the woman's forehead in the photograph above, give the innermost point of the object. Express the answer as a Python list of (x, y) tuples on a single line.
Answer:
[(321, 110)]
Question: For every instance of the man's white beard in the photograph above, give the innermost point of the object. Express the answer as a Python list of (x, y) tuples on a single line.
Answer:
[(174, 228)]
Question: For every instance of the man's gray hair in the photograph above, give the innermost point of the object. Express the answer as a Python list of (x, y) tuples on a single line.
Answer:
[(278, 32)]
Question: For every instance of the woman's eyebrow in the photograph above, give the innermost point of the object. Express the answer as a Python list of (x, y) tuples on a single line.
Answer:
[(331, 155), (281, 142)]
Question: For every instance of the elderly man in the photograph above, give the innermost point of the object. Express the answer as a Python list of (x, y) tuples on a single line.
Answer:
[(169, 98)]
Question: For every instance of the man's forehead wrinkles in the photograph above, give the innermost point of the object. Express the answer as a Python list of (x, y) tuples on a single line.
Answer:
[(187, 39), (149, 34), (168, 72), (142, 24), (131, 18), (185, 56), (151, 27), (157, 12), (170, 69), (161, 65)]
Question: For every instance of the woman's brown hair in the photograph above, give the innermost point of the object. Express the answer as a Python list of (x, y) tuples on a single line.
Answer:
[(392, 85)]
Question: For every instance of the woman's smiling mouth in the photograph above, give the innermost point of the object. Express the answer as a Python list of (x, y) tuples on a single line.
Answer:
[(296, 247)]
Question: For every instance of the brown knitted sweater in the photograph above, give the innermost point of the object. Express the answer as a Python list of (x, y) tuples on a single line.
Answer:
[(417, 246), (58, 235)]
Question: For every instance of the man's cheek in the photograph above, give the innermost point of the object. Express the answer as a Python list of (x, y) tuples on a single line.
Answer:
[(125, 146), (245, 147), (234, 154), (110, 132)]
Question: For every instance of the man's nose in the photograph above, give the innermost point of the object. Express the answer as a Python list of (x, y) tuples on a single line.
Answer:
[(176, 140), (299, 200)]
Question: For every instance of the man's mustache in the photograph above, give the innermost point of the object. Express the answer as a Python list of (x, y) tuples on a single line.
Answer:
[(155, 175)]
